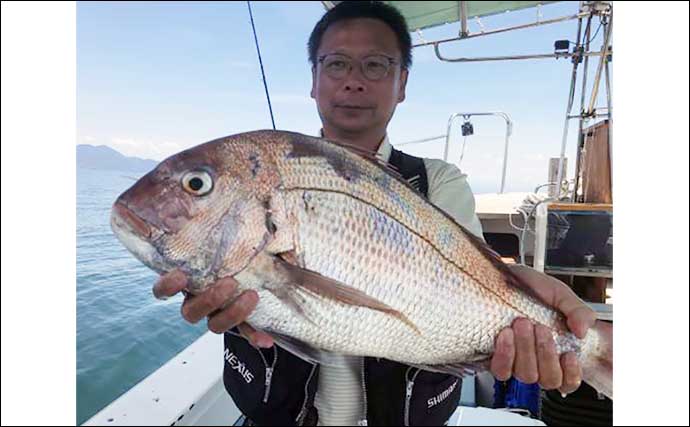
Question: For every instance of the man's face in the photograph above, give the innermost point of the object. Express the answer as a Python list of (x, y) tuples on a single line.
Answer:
[(353, 103)]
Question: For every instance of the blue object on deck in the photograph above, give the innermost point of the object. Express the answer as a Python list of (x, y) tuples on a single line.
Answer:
[(514, 394)]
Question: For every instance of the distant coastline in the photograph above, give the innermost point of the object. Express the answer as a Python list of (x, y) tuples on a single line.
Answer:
[(102, 157)]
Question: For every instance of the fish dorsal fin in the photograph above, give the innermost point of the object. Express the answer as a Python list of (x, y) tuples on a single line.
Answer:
[(318, 146), (334, 290), (372, 156)]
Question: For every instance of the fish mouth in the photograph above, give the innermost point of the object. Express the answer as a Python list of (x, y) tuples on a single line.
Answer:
[(124, 217), (135, 234)]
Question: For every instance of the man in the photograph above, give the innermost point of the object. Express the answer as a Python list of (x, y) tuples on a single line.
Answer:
[(361, 55)]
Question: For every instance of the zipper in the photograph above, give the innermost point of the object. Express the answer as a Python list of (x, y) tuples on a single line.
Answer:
[(303, 412), (269, 373), (408, 392), (363, 421)]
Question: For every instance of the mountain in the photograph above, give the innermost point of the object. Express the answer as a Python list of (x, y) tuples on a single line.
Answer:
[(105, 158)]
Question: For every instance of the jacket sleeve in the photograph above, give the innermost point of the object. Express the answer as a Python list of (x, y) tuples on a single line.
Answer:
[(450, 191)]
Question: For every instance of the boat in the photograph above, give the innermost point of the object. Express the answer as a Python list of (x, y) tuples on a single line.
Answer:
[(189, 389)]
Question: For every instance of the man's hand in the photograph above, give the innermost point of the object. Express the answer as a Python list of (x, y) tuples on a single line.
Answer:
[(215, 303), (528, 352)]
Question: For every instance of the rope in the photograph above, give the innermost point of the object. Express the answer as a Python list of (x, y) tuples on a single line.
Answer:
[(258, 52)]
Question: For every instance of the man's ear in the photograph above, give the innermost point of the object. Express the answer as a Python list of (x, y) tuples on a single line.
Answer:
[(313, 83), (403, 83)]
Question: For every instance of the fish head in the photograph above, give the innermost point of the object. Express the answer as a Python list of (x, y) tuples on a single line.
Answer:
[(190, 210)]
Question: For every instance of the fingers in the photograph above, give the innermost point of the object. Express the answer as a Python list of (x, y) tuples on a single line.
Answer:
[(213, 303), (169, 284), (572, 373), (200, 306), (525, 369), (580, 319), (533, 350), (545, 286), (257, 338), (504, 355), (235, 313), (564, 373), (579, 316), (550, 375)]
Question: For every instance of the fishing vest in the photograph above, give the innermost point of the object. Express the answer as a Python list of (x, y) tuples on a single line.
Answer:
[(274, 387)]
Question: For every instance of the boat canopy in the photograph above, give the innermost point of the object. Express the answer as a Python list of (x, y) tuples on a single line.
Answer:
[(427, 14)]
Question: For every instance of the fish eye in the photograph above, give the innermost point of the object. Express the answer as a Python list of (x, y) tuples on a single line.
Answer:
[(197, 183)]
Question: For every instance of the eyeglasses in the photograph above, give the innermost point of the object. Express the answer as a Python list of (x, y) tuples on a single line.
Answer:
[(374, 67)]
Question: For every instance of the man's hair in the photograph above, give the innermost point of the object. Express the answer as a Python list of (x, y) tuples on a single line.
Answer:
[(363, 9)]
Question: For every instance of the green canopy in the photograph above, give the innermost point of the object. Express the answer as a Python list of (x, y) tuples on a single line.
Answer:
[(425, 14)]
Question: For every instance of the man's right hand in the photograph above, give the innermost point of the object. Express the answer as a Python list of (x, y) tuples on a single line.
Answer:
[(216, 304)]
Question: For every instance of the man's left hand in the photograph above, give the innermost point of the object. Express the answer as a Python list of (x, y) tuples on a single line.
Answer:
[(529, 353)]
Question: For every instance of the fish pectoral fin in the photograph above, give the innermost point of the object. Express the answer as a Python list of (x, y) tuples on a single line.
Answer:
[(334, 290), (309, 353), (290, 298), (289, 257)]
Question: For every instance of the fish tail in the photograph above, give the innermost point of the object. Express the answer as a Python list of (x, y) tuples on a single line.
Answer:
[(597, 367)]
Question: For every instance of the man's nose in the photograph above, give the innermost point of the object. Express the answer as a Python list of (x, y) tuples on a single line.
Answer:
[(354, 81)]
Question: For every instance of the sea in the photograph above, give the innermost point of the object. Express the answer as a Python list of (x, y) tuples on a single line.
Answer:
[(123, 332)]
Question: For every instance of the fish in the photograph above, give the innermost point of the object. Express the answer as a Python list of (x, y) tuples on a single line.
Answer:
[(347, 257)]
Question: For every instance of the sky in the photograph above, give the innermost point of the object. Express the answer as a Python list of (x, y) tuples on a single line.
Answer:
[(156, 78)]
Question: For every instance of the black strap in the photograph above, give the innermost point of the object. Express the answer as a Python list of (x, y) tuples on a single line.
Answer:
[(412, 169)]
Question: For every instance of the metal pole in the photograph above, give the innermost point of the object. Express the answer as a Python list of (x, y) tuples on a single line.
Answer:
[(450, 123), (580, 139), (509, 57), (463, 19), (602, 61), (417, 141), (571, 97), (501, 30), (509, 131), (609, 103), (580, 116)]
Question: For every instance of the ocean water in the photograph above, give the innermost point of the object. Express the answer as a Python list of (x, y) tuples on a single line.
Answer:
[(123, 332)]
